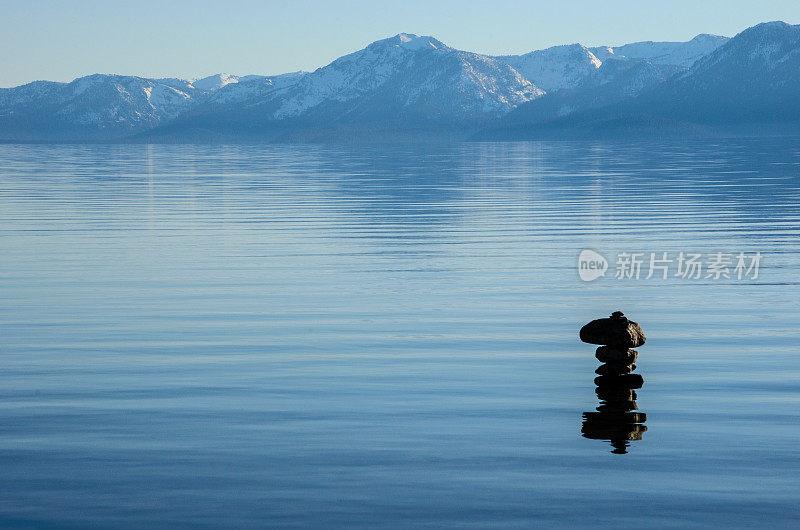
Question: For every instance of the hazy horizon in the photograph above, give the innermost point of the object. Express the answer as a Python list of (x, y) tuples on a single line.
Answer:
[(62, 41)]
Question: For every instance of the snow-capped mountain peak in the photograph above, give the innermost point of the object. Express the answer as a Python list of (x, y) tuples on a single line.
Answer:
[(417, 83), (409, 41), (214, 82), (761, 48), (664, 53), (780, 24), (251, 88), (556, 67), (408, 71)]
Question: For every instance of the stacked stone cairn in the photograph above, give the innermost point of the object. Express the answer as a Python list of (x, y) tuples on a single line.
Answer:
[(616, 419)]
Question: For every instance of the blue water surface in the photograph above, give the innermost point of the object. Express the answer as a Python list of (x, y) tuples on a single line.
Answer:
[(386, 336)]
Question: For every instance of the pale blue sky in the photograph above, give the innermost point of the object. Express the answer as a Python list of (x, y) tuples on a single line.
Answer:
[(61, 40)]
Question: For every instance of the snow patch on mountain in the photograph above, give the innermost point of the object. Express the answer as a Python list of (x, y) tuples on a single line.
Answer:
[(556, 67), (667, 53), (251, 89), (409, 41), (214, 82)]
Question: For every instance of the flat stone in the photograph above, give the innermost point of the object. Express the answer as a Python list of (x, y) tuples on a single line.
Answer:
[(615, 331), (618, 435), (606, 432), (615, 369), (617, 406), (620, 418), (608, 354), (631, 381)]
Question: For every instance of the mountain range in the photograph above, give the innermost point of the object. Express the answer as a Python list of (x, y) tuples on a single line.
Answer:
[(410, 86)]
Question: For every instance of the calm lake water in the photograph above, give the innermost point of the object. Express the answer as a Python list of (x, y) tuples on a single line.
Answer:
[(338, 336)]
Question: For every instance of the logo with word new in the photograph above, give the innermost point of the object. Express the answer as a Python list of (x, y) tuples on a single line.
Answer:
[(663, 265), (591, 265)]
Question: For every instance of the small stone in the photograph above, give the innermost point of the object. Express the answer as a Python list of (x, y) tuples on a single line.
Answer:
[(612, 394), (607, 354), (631, 381), (615, 331), (615, 369)]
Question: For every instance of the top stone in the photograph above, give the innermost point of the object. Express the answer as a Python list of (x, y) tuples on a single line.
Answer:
[(616, 331)]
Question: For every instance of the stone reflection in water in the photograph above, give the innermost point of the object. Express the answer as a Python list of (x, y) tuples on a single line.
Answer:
[(617, 418)]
